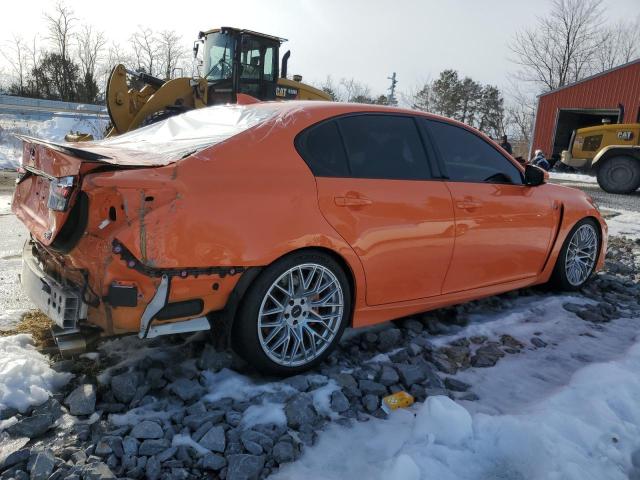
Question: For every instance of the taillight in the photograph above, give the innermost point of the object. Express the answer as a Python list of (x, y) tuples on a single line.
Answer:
[(60, 191)]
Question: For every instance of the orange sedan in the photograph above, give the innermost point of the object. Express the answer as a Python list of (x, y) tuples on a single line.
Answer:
[(284, 223)]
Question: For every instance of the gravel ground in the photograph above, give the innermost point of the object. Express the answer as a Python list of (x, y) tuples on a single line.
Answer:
[(603, 199), (133, 411)]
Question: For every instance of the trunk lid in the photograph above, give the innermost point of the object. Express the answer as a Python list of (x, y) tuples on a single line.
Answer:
[(49, 185)]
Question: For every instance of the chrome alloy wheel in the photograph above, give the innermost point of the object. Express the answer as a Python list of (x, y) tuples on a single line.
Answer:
[(300, 314), (581, 254)]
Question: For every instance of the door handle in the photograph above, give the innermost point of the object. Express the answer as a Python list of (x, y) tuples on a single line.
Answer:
[(352, 201), (468, 204)]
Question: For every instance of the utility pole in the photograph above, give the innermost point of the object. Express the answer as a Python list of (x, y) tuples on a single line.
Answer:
[(392, 90)]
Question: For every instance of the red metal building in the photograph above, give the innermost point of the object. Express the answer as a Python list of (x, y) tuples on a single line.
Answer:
[(613, 95)]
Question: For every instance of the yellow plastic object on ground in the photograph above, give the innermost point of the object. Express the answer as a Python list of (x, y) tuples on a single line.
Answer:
[(397, 400)]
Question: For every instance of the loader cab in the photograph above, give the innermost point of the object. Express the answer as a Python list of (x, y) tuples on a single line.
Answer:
[(239, 61)]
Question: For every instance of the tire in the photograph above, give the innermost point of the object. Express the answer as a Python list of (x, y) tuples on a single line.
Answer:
[(273, 316), (619, 174), (567, 274)]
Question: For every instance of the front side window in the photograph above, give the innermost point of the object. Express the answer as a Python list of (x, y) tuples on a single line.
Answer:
[(469, 158), (218, 56), (384, 146)]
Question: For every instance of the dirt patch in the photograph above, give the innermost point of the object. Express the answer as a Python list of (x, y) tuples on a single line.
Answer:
[(35, 323)]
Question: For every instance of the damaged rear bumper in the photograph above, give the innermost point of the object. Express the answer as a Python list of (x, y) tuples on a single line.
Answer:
[(63, 304)]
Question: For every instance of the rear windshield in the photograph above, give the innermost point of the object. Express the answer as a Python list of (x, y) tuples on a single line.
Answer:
[(172, 139)]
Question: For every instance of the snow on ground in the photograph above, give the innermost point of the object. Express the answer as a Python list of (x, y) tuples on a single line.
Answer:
[(26, 377), (53, 129), (626, 224), (575, 177), (585, 428)]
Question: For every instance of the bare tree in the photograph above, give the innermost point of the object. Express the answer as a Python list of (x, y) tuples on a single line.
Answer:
[(355, 91), (171, 51), (60, 24), (562, 46), (329, 87), (146, 50), (91, 44), (621, 46), (17, 55)]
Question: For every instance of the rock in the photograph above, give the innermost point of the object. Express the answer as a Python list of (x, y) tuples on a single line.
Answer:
[(214, 439), (635, 458), (345, 380), (213, 461), (487, 356), (195, 421), (413, 325), (410, 374), (215, 361), (300, 411), (478, 340), (98, 471), (124, 386), (252, 447), (283, 452), (130, 446), (509, 341), (387, 339), (233, 418), (82, 400), (299, 382), (147, 429), (371, 387), (257, 437), (41, 465), (7, 413), (31, 427), (456, 385), (199, 433), (339, 402), (538, 342), (414, 349), (399, 356), (153, 446), (458, 354), (388, 376), (470, 396), (153, 468), (444, 364), (370, 403), (186, 389), (19, 455), (244, 467), (102, 449)]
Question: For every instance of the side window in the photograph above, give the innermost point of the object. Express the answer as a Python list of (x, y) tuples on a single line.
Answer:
[(469, 158), (384, 146), (321, 147)]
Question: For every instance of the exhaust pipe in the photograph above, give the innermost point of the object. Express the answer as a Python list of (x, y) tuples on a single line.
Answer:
[(285, 61), (74, 341)]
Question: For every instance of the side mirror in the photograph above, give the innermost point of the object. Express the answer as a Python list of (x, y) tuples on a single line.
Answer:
[(196, 46), (534, 176)]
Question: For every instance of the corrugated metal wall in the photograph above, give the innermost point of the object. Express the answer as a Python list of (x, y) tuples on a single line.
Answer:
[(603, 91)]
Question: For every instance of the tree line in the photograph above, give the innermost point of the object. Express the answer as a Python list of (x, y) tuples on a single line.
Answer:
[(570, 42), (76, 60)]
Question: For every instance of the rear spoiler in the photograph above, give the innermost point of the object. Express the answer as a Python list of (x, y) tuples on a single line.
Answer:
[(75, 152)]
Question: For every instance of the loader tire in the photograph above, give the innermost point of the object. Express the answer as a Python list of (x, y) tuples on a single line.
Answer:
[(619, 174)]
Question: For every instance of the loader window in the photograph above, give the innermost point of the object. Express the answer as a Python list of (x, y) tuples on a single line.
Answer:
[(218, 58)]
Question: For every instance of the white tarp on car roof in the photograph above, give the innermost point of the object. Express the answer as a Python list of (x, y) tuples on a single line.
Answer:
[(174, 138)]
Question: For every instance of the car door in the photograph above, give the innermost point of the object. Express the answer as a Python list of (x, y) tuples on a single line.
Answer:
[(375, 188), (503, 227)]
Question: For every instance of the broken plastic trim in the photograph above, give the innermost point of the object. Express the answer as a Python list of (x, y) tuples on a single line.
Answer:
[(132, 262)]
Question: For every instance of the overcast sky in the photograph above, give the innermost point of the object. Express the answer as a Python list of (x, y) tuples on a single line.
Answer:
[(367, 40)]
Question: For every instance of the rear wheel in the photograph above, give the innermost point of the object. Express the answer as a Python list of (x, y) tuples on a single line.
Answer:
[(294, 314), (578, 256), (619, 174)]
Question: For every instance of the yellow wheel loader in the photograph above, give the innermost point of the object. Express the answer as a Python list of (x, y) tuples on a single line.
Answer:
[(609, 151), (234, 62)]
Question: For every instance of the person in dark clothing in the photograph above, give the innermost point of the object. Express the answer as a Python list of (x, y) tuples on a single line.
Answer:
[(506, 145), (540, 161)]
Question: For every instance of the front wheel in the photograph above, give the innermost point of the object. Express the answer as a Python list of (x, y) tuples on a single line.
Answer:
[(294, 314), (619, 175), (578, 256)]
